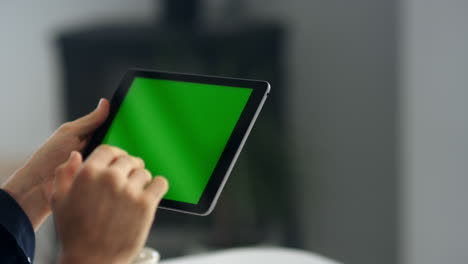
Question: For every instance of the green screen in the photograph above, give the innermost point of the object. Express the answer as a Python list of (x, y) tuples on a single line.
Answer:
[(179, 129)]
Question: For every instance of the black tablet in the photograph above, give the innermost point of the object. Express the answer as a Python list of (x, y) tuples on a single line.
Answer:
[(188, 128)]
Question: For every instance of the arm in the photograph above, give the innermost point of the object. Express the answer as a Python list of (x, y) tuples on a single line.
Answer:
[(17, 239)]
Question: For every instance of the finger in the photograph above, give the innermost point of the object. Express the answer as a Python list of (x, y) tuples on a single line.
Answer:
[(157, 188), (90, 122), (65, 173), (125, 164), (104, 155), (139, 178)]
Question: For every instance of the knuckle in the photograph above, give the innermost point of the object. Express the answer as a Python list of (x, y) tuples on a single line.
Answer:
[(126, 159), (111, 178), (112, 150), (111, 174), (140, 162), (105, 148), (88, 170), (147, 175), (138, 172), (143, 174), (130, 194)]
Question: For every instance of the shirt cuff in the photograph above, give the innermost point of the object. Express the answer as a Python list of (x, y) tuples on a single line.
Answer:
[(17, 223)]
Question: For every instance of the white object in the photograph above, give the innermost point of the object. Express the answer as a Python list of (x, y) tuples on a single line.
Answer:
[(269, 255), (147, 256)]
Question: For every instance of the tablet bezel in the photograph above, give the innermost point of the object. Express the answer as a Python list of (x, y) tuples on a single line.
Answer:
[(226, 162)]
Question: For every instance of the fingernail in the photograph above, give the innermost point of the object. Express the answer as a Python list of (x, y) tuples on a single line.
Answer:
[(100, 102)]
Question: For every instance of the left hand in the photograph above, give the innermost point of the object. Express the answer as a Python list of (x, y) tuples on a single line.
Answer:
[(32, 185)]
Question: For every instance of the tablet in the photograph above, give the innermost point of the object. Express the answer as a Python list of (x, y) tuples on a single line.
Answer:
[(187, 128)]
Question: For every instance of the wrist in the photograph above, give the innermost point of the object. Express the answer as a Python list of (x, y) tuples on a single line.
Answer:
[(32, 203), (29, 195), (35, 206), (15, 185)]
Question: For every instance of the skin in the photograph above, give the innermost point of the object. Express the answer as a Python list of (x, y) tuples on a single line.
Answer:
[(31, 185), (105, 200), (112, 230)]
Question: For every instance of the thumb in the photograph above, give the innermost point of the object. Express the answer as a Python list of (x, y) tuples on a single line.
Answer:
[(90, 122), (64, 176)]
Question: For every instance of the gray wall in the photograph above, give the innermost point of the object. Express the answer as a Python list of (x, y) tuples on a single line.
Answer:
[(29, 92), (435, 131), (343, 104), (343, 108)]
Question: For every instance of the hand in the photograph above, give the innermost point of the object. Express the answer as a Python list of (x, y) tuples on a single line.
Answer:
[(102, 210), (31, 185)]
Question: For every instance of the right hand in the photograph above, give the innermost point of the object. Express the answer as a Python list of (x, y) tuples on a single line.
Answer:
[(102, 210)]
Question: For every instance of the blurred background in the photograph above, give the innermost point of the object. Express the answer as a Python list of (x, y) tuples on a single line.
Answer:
[(361, 153)]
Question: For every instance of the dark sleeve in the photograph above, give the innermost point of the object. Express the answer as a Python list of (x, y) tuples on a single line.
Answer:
[(17, 238)]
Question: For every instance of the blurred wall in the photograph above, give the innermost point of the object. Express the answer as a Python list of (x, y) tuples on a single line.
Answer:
[(29, 91), (435, 131), (343, 103), (30, 87), (343, 108)]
